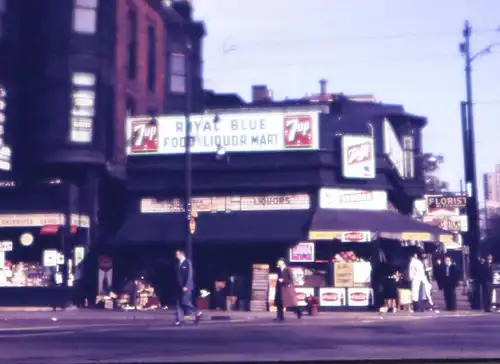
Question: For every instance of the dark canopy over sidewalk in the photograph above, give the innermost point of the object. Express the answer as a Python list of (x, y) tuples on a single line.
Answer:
[(330, 224)]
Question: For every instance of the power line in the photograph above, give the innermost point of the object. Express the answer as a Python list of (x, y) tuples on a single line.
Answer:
[(242, 43), (493, 102), (307, 62)]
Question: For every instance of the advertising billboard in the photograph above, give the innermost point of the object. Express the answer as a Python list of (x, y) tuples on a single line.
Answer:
[(350, 199), (358, 157), (234, 132)]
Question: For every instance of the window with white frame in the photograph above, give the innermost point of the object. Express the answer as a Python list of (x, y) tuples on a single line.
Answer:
[(83, 107), (177, 73), (3, 12), (85, 16), (409, 156)]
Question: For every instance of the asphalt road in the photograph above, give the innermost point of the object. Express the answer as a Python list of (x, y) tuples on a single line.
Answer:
[(417, 336)]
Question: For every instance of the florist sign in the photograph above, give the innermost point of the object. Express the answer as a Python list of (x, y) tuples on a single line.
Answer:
[(239, 132)]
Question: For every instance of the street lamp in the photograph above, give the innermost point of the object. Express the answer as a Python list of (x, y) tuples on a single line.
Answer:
[(469, 148)]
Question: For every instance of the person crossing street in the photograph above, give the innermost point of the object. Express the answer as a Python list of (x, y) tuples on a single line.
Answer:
[(185, 290)]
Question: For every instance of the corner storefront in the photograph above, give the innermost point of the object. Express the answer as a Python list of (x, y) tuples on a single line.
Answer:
[(267, 172), (331, 240)]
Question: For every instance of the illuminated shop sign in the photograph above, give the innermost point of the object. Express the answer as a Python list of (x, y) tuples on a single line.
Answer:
[(83, 107), (242, 132), (229, 203), (358, 157), (348, 199), (39, 220)]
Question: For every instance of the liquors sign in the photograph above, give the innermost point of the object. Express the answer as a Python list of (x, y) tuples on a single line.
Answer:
[(358, 157), (229, 203), (238, 132)]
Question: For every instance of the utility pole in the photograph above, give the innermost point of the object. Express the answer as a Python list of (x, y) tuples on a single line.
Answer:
[(188, 175), (473, 235)]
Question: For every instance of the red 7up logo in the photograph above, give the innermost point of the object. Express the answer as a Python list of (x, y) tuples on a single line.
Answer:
[(144, 137), (298, 131)]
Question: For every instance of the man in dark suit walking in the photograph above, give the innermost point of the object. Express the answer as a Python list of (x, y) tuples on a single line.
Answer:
[(449, 280), (285, 296), (185, 290), (486, 280)]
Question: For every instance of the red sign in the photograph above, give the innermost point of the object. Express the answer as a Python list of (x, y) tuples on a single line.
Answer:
[(359, 153), (359, 296), (54, 229), (144, 137), (49, 229), (330, 297), (298, 131), (302, 252), (302, 293), (354, 236)]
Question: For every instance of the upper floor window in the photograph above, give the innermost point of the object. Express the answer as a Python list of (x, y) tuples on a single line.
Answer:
[(409, 156), (131, 44), (177, 73), (151, 59), (83, 107), (85, 16), (3, 11)]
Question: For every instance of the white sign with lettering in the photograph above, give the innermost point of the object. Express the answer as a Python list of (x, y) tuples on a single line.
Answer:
[(393, 148), (39, 220), (6, 246), (335, 198), (358, 157), (229, 203), (237, 132)]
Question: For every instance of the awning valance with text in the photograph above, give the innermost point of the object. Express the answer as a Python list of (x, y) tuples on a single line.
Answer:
[(331, 224)]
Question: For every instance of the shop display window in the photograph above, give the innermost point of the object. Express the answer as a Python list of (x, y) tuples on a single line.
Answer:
[(24, 274), (22, 265)]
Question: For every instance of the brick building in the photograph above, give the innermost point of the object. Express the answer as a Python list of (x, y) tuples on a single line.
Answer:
[(71, 73)]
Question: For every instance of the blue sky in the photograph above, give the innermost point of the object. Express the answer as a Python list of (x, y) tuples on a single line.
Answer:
[(403, 52)]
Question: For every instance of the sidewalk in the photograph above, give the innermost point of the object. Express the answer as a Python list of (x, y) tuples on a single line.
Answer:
[(110, 315)]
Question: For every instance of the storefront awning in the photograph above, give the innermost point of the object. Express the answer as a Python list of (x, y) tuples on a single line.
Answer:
[(233, 227), (332, 224)]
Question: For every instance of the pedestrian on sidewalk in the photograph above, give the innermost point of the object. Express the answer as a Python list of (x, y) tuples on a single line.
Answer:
[(185, 290), (417, 279), (427, 283), (449, 280), (285, 296), (486, 280)]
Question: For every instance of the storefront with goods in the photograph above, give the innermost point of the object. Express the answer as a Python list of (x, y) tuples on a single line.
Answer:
[(37, 245), (283, 186)]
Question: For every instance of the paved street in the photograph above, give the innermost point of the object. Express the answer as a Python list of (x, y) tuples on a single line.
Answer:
[(150, 338)]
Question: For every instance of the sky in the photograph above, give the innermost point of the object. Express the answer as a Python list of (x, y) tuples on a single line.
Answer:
[(402, 52)]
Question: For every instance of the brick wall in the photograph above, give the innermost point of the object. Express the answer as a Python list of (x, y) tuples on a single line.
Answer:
[(138, 88)]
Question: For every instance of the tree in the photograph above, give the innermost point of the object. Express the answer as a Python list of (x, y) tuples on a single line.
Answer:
[(431, 163)]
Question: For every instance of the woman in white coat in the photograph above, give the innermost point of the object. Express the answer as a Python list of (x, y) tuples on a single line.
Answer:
[(417, 279)]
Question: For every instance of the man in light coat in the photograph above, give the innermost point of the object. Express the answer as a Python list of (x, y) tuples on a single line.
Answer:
[(417, 279)]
